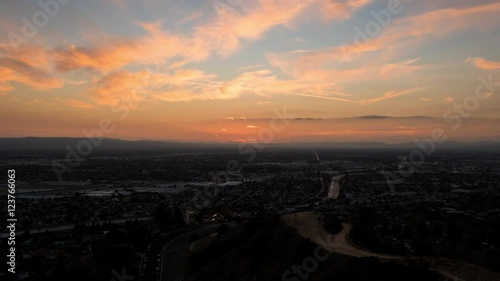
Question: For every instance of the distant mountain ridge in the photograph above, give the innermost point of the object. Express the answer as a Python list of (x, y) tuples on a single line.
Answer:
[(60, 144)]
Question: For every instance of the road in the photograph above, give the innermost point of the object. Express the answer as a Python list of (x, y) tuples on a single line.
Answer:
[(173, 268), (151, 271)]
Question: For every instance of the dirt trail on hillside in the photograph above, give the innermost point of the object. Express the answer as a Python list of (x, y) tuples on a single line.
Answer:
[(308, 226)]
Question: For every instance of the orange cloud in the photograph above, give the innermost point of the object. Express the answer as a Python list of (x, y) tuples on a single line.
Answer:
[(192, 84), (4, 88), (28, 54), (483, 63), (180, 85), (223, 35), (156, 47), (231, 27), (340, 9), (28, 66)]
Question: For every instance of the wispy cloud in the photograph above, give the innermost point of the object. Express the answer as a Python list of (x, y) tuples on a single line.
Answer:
[(4, 88), (323, 97), (403, 35), (192, 17), (341, 9), (393, 94), (75, 103)]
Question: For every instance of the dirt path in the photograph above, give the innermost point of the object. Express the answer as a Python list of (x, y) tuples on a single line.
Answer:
[(308, 226)]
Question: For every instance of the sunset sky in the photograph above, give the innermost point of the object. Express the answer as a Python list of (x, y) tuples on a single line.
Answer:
[(193, 70)]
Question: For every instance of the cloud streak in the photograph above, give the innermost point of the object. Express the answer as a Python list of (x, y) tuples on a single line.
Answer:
[(393, 94)]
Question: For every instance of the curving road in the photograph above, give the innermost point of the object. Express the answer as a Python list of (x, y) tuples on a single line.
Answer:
[(152, 262)]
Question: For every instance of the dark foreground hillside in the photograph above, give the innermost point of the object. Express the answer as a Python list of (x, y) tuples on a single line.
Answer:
[(276, 252)]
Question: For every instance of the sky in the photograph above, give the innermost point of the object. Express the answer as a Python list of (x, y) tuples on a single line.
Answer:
[(257, 71)]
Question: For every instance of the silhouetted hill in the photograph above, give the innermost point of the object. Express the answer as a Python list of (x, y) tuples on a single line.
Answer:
[(107, 144)]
